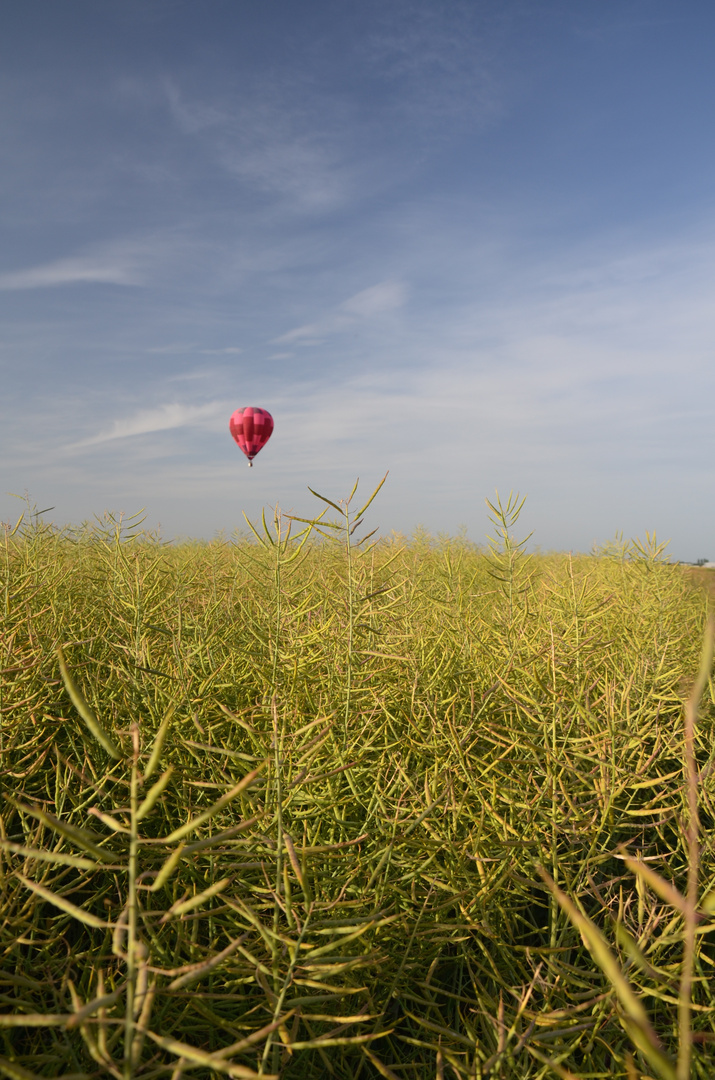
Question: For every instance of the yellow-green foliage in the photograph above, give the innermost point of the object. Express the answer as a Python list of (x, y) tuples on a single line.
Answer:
[(372, 751)]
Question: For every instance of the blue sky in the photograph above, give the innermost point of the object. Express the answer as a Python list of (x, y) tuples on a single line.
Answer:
[(471, 243)]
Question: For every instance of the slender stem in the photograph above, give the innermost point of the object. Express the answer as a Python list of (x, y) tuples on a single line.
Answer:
[(693, 844), (277, 583), (270, 1043), (275, 947), (576, 621), (552, 769), (277, 764), (349, 552), (132, 910)]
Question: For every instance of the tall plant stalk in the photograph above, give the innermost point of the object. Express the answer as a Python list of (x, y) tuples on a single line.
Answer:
[(342, 532), (132, 941), (283, 550), (692, 900), (508, 561)]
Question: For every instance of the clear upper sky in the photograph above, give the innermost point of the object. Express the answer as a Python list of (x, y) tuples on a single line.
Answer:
[(468, 242)]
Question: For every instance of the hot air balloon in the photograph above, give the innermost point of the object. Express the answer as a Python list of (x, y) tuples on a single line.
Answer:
[(251, 428)]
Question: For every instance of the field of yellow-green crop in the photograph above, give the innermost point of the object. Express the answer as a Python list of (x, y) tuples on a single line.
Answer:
[(307, 806)]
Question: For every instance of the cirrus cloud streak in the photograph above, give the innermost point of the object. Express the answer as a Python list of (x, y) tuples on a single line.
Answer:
[(162, 418)]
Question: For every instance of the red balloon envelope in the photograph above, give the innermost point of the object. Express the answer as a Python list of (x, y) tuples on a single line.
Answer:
[(251, 428)]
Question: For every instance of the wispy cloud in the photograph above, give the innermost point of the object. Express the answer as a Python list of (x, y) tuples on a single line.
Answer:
[(302, 168), (163, 418), (170, 350), (435, 67), (230, 350), (376, 300), (93, 269), (132, 260), (368, 304), (192, 116), (266, 140), (194, 375)]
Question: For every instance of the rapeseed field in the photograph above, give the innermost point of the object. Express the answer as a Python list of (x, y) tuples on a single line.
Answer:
[(310, 803)]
